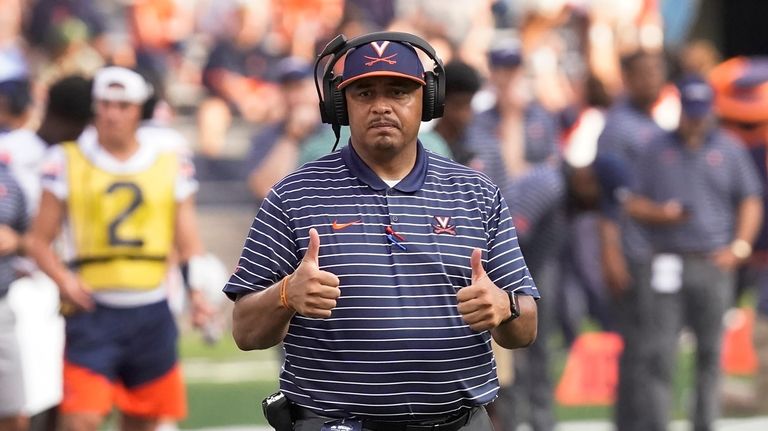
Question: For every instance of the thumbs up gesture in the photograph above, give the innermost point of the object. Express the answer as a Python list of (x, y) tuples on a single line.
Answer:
[(482, 305), (309, 290)]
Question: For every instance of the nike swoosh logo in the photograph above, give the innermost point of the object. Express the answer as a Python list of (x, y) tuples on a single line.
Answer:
[(339, 226)]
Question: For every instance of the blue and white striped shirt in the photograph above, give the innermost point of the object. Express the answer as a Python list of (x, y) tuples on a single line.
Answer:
[(395, 347), (13, 213), (711, 182), (627, 134)]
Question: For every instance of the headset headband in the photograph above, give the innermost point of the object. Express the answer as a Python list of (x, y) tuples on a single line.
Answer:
[(340, 46)]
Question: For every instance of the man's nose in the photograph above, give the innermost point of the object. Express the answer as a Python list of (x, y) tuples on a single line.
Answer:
[(381, 105)]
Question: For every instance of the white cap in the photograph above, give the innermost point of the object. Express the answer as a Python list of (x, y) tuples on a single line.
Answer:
[(121, 85)]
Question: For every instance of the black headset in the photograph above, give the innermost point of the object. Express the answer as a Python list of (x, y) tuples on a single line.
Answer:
[(333, 107)]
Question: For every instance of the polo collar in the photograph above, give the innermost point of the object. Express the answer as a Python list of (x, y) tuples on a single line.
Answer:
[(410, 184)]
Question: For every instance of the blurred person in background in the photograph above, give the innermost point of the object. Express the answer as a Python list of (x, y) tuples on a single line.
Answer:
[(236, 76), (159, 30), (275, 148), (462, 82), (15, 103), (33, 297), (629, 129), (537, 202), (129, 203), (516, 131), (707, 213), (13, 223), (741, 88)]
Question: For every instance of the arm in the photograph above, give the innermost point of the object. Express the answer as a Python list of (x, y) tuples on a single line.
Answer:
[(749, 219), (484, 306), (260, 320), (278, 163), (45, 228), (188, 244), (614, 266), (520, 332), (647, 211)]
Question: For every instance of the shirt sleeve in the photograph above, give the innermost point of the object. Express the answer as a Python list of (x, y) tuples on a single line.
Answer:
[(531, 198), (747, 182), (270, 251), (506, 266), (54, 173)]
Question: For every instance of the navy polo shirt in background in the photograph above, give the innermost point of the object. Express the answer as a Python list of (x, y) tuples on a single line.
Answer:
[(395, 346), (627, 134), (710, 182)]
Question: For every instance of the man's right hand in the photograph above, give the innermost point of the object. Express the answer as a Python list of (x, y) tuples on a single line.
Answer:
[(309, 290), (74, 292)]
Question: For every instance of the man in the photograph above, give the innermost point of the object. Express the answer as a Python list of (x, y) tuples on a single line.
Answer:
[(462, 82), (384, 269), (15, 101), (629, 128), (517, 131), (276, 148), (128, 202), (13, 222), (707, 214), (33, 297)]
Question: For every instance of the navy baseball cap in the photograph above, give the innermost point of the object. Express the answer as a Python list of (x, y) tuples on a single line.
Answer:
[(382, 58), (696, 96), (292, 69), (505, 53)]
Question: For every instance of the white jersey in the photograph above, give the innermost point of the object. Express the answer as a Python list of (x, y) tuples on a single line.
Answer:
[(153, 142)]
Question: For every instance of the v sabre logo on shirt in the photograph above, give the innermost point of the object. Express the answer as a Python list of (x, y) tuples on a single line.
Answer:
[(443, 225)]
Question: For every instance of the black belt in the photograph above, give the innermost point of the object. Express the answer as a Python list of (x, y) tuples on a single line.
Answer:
[(446, 423)]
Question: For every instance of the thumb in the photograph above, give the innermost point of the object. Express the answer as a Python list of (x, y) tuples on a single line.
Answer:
[(476, 262), (313, 249)]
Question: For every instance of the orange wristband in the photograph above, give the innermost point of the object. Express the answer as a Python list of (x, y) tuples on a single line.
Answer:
[(283, 295)]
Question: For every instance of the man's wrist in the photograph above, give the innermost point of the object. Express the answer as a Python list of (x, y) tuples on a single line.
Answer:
[(514, 308), (741, 248)]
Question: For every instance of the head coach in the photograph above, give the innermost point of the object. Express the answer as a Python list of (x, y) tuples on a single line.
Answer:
[(384, 269)]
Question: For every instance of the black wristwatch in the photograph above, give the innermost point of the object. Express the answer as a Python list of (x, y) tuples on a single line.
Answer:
[(513, 307)]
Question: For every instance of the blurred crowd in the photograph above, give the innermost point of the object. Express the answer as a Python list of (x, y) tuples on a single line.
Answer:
[(617, 141)]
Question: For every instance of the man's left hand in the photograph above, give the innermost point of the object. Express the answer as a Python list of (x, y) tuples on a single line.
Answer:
[(725, 259), (201, 310), (482, 305)]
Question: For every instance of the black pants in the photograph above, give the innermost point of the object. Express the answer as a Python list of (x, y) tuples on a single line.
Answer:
[(478, 421)]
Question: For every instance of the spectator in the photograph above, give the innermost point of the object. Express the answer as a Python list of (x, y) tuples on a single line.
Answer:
[(276, 148), (629, 129), (461, 83), (707, 214), (236, 75)]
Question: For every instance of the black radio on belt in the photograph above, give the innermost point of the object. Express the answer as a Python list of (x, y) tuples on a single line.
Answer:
[(277, 410)]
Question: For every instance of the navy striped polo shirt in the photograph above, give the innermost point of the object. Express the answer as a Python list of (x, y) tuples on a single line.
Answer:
[(13, 213), (541, 138), (627, 134), (395, 347), (537, 202), (711, 182)]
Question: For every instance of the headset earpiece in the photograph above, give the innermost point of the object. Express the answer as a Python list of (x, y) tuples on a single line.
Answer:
[(429, 98), (339, 103)]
